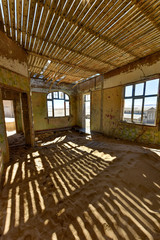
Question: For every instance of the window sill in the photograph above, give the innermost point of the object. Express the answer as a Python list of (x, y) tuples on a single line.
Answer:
[(138, 124), (57, 117)]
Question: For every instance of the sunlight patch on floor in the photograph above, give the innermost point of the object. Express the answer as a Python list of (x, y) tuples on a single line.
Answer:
[(38, 164), (56, 140)]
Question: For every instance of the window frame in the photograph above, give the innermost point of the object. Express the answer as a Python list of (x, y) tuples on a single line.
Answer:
[(142, 96), (58, 98)]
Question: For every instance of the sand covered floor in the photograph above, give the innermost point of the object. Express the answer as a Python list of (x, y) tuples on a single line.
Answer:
[(73, 187)]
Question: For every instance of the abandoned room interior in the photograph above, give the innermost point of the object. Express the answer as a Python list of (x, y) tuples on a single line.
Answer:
[(79, 119)]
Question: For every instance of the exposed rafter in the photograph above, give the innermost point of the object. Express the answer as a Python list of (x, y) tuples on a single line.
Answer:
[(52, 73), (99, 36), (82, 37), (55, 60), (78, 52), (92, 32)]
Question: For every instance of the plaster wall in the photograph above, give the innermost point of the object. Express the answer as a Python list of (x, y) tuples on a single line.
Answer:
[(79, 109), (140, 70), (12, 56), (134, 75), (13, 76), (42, 122), (107, 103), (96, 111)]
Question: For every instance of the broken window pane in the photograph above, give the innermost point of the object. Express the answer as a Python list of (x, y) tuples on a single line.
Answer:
[(137, 113), (139, 88), (149, 112), (128, 91), (152, 87), (127, 115)]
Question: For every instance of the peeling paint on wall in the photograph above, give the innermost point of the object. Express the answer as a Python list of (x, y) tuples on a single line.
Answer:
[(112, 124), (14, 65), (114, 127), (12, 57)]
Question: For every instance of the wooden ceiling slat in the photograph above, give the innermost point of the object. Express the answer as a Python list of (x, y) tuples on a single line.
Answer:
[(62, 62), (149, 13), (6, 16), (115, 15), (12, 15), (80, 53), (126, 26), (92, 32), (25, 15), (104, 38), (82, 37)]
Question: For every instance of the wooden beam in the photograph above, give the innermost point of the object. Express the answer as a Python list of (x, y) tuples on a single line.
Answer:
[(52, 73), (75, 84), (62, 62), (56, 10), (75, 51), (93, 33), (99, 36)]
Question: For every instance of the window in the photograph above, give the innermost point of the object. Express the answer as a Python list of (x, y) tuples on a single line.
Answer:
[(140, 102), (58, 104)]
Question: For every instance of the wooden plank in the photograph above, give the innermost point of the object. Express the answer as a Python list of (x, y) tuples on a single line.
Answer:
[(6, 17), (148, 13), (62, 62)]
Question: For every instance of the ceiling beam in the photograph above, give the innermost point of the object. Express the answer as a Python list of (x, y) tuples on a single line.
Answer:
[(99, 36), (148, 14), (62, 62), (51, 73), (86, 29), (75, 51), (94, 33), (69, 49)]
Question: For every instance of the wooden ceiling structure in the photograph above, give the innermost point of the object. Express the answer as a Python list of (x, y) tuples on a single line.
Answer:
[(81, 38)]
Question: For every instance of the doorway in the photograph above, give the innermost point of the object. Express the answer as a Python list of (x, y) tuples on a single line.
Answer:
[(87, 113), (9, 117)]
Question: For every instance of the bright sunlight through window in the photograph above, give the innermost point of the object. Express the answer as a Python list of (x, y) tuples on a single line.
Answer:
[(58, 104), (140, 102)]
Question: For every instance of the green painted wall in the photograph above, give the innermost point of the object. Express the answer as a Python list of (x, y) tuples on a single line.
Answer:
[(13, 76), (40, 113), (11, 79), (4, 152)]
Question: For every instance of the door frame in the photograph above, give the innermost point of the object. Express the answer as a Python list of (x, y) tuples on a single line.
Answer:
[(83, 110)]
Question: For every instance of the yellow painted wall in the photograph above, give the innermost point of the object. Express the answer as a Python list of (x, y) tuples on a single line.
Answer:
[(41, 122), (112, 124), (13, 75), (107, 103), (96, 111)]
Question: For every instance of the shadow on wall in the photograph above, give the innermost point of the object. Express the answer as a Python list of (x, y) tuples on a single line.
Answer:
[(80, 189)]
